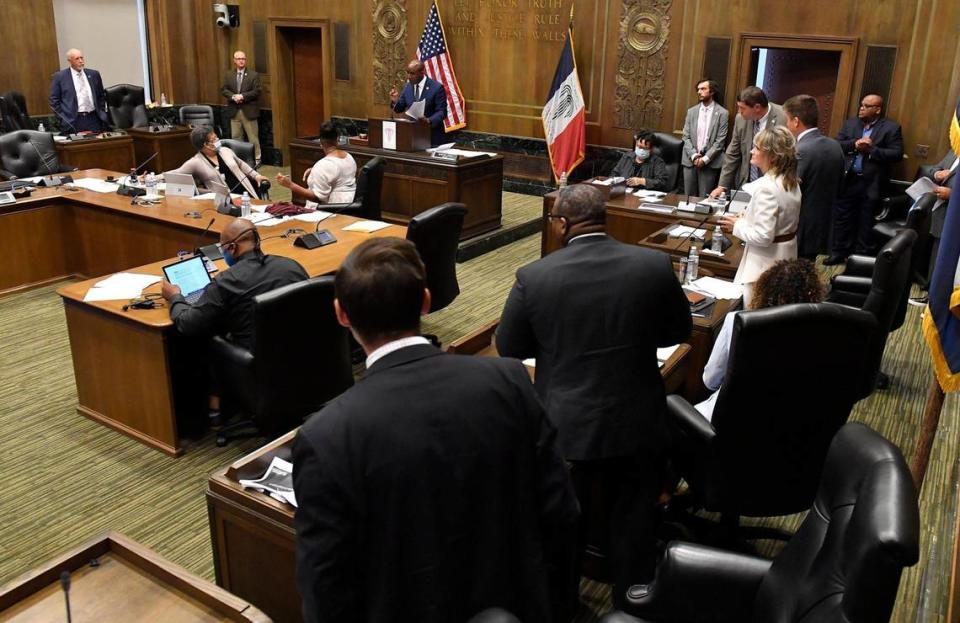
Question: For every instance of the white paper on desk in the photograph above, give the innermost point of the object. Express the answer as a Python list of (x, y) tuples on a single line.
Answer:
[(32, 180), (277, 482), (313, 217), (212, 196), (97, 186), (259, 217), (649, 194), (138, 280), (120, 286), (389, 132), (467, 153), (270, 221), (652, 207), (683, 231), (663, 354), (717, 288), (416, 109), (444, 147), (921, 187), (366, 226)]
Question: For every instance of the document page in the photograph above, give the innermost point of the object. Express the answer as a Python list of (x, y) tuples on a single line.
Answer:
[(416, 109)]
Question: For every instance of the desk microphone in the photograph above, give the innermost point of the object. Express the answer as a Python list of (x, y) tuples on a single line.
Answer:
[(687, 237), (51, 179), (196, 248), (130, 191), (65, 585), (76, 132)]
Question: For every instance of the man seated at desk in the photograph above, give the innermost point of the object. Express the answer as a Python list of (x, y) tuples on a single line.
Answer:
[(643, 168), (226, 305), (432, 489), (421, 87)]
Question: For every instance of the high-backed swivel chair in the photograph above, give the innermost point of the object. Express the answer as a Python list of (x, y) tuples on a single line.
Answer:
[(842, 565), (436, 234), (26, 153), (195, 115), (670, 149), (13, 111), (127, 106), (278, 382), (366, 201)]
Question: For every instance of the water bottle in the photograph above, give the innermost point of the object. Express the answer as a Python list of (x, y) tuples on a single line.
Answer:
[(163, 99), (693, 264), (40, 128), (151, 184), (716, 243), (132, 178), (563, 180), (245, 205)]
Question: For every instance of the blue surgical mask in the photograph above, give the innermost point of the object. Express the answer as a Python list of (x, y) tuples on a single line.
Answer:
[(642, 153), (217, 145), (228, 257)]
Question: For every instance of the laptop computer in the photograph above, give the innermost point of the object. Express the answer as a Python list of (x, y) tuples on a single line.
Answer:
[(180, 185), (738, 201), (190, 276)]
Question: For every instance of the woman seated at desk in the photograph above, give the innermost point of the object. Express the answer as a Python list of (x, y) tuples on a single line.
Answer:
[(214, 166), (787, 282), (332, 179), (643, 168)]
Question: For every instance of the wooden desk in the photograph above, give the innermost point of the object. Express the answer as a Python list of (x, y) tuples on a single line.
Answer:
[(129, 583), (250, 531), (172, 147), (723, 266), (114, 153), (414, 182)]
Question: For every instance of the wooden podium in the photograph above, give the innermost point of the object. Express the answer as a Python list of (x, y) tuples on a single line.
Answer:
[(409, 135)]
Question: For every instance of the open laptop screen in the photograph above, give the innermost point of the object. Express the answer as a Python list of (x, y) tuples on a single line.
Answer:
[(189, 275)]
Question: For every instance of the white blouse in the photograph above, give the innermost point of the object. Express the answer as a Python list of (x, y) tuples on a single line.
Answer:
[(332, 180)]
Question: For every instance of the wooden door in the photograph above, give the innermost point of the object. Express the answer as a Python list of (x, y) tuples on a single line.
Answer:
[(306, 47)]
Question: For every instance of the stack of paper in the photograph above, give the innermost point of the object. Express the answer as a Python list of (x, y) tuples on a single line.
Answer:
[(120, 286), (209, 196), (366, 226), (277, 482), (649, 194), (313, 217), (666, 353), (97, 186), (717, 288), (683, 231)]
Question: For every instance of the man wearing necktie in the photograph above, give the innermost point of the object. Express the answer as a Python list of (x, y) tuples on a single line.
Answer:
[(419, 86), (871, 143), (77, 96), (241, 88), (754, 113), (704, 138)]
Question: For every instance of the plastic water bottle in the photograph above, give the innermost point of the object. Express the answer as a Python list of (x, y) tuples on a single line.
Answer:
[(563, 180), (40, 128), (151, 184), (716, 243), (163, 99), (132, 178), (245, 205), (693, 264)]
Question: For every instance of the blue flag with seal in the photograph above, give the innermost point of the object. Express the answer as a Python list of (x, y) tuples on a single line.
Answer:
[(941, 323)]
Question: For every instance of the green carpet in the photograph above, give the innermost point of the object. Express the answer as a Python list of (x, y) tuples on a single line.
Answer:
[(67, 478)]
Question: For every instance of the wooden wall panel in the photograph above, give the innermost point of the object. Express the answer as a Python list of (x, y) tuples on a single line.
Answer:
[(30, 46), (505, 71)]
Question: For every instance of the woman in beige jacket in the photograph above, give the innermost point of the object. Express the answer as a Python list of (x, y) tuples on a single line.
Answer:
[(768, 225), (214, 165)]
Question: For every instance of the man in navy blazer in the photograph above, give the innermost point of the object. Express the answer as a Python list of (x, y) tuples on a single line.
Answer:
[(77, 96), (420, 87), (870, 143)]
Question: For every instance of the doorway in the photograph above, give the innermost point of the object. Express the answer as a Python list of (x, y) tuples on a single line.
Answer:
[(299, 50)]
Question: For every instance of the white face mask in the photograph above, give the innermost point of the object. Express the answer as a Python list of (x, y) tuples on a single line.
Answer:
[(217, 145), (642, 153)]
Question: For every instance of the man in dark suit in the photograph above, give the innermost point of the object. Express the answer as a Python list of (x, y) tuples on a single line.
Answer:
[(593, 315), (432, 489), (420, 87), (754, 113), (820, 168), (241, 88), (870, 143), (77, 96)]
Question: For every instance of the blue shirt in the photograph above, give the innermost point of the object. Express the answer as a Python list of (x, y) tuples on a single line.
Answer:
[(858, 161)]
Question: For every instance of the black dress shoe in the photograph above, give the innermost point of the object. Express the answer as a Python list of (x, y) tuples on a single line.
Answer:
[(833, 260)]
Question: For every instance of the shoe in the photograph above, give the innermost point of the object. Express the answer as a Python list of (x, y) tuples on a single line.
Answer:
[(833, 260), (919, 301)]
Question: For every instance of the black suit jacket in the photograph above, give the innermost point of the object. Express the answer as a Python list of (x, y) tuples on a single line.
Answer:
[(887, 149), (593, 315), (434, 108), (432, 490), (250, 89), (820, 168)]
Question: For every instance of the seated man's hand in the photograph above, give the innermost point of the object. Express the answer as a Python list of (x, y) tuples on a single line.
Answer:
[(634, 181), (716, 192), (942, 192), (939, 176), (168, 290)]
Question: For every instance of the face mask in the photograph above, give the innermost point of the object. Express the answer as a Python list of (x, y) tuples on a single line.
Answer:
[(642, 153), (228, 257), (217, 145)]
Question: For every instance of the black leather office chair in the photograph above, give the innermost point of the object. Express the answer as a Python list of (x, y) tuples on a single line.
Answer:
[(13, 110), (881, 286), (26, 153), (843, 564), (793, 375), (366, 201), (436, 234), (195, 115), (127, 106), (245, 151), (280, 381), (917, 218), (493, 615), (670, 149)]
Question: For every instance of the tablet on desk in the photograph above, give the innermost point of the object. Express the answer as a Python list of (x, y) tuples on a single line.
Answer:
[(190, 276), (179, 185)]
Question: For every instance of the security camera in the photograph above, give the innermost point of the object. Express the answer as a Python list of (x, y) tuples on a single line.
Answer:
[(223, 17)]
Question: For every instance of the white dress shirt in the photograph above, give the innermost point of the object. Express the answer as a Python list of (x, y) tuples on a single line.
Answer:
[(393, 346), (804, 133), (703, 126), (84, 94), (418, 88)]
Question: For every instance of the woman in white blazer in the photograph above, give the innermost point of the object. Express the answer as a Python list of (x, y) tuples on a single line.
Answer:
[(213, 165), (768, 225)]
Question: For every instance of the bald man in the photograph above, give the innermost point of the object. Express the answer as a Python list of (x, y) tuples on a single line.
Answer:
[(420, 87), (78, 98), (241, 88), (226, 306)]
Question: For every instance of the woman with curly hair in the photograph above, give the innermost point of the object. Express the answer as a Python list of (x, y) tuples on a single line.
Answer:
[(768, 225), (786, 282)]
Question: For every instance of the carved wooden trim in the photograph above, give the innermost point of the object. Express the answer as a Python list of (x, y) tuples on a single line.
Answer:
[(389, 47), (641, 59)]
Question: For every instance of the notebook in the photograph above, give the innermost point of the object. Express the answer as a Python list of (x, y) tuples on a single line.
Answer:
[(190, 276)]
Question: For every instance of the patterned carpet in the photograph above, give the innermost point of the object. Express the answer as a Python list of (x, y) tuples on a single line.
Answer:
[(67, 478)]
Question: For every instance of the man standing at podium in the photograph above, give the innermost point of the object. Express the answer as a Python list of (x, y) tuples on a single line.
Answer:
[(421, 87)]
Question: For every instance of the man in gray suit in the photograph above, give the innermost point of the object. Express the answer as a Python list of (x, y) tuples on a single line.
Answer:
[(944, 175), (820, 169), (754, 113), (242, 89), (704, 135)]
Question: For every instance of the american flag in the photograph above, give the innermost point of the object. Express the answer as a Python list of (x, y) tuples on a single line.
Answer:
[(432, 52)]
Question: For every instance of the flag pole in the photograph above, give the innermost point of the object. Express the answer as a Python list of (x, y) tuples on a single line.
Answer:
[(928, 432)]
